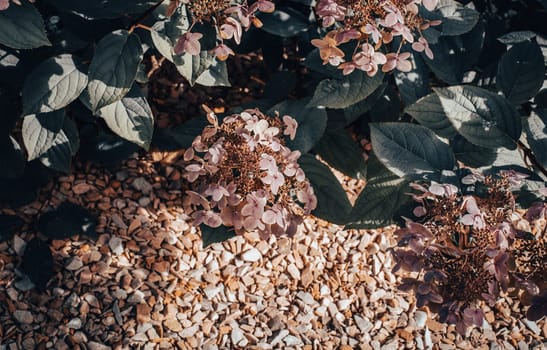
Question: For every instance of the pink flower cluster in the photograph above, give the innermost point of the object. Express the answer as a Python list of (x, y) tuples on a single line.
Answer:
[(470, 247), (372, 24), (241, 175), (4, 4), (229, 20)]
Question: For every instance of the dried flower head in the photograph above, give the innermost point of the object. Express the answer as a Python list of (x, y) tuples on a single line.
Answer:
[(471, 247), (242, 175), (372, 24)]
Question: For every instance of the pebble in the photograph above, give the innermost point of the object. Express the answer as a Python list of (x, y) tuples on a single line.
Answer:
[(75, 323), (279, 336), (74, 264), (420, 317), (97, 346), (140, 184), (237, 336), (116, 245), (23, 316), (251, 255)]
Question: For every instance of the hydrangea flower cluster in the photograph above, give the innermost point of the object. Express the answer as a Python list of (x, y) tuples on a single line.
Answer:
[(372, 25), (242, 175), (473, 246), (4, 4), (229, 20)]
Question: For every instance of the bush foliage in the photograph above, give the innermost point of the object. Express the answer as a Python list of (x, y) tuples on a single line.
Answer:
[(435, 87)]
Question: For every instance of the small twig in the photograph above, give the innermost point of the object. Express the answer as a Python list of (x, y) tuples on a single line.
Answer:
[(531, 157), (137, 23)]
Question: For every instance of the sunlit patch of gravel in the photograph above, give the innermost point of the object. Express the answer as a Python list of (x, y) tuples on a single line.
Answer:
[(147, 283)]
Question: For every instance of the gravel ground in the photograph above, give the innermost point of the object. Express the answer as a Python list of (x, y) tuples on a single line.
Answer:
[(147, 283)]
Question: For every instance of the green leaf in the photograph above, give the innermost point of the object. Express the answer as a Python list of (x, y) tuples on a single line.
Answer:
[(455, 55), (482, 117), (40, 131), (456, 19), (113, 68), (53, 84), (314, 62), (332, 202), (353, 112), (380, 201), (191, 67), (67, 220), (105, 148), (71, 131), (210, 235), (536, 131), (470, 154), (337, 148), (343, 92), (215, 75), (312, 122), (414, 84), (429, 112), (284, 21), (410, 150), (22, 27), (12, 161), (387, 108), (95, 9), (516, 37), (59, 156), (130, 118), (521, 72)]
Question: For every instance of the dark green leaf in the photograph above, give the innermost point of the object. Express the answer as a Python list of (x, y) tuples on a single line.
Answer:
[(284, 21), (53, 84), (59, 156), (180, 136), (71, 132), (353, 112), (387, 107), (40, 130), (380, 201), (314, 62), (332, 202), (280, 86), (67, 220), (410, 150), (12, 161), (516, 37), (113, 68), (210, 235), (215, 75), (312, 122), (343, 92), (536, 131), (429, 112), (470, 154), (104, 9), (22, 27), (521, 72), (130, 118), (541, 98), (455, 55), (337, 148), (191, 67), (9, 224), (456, 19), (414, 84), (482, 117), (104, 148), (23, 189), (37, 262)]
